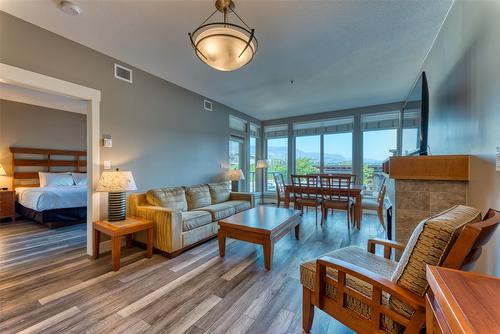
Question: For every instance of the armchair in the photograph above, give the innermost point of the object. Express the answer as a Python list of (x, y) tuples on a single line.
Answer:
[(373, 294)]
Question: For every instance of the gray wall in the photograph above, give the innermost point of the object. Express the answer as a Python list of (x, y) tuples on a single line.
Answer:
[(25, 125), (160, 131), (463, 70)]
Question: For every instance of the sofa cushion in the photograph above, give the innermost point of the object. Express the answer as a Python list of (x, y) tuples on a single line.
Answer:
[(219, 192), (198, 196), (194, 219), (429, 244), (240, 205), (219, 211), (172, 198)]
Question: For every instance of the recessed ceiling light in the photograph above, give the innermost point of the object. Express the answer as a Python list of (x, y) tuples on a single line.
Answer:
[(70, 8)]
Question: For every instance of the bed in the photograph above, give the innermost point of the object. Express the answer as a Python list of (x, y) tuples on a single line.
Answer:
[(40, 193)]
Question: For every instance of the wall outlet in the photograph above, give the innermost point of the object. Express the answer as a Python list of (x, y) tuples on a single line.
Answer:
[(107, 164), (498, 158)]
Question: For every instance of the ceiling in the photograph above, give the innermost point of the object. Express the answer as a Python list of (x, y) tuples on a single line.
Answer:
[(339, 54)]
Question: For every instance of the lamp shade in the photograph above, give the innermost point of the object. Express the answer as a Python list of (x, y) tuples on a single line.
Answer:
[(2, 171), (115, 182), (262, 164), (236, 175), (224, 48)]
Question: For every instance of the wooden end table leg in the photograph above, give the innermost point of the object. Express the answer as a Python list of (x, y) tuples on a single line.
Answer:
[(297, 232), (222, 243), (115, 252), (96, 237), (150, 242), (128, 240), (268, 253)]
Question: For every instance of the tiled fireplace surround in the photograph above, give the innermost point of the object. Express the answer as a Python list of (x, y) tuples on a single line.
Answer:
[(415, 200)]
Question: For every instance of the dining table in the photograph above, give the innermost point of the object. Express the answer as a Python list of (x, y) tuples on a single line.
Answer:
[(354, 192)]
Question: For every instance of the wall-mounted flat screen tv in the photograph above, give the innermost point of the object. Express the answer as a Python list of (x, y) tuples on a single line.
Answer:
[(416, 119)]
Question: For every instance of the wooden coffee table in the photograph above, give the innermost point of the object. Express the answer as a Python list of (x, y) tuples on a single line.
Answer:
[(262, 225)]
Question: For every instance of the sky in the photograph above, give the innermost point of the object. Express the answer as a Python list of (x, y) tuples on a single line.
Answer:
[(376, 144)]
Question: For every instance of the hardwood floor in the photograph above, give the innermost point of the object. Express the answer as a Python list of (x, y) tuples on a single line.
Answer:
[(48, 284)]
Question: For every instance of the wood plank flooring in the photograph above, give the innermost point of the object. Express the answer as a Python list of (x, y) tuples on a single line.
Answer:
[(49, 285)]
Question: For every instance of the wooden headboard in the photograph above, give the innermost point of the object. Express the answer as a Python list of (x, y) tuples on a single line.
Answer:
[(27, 162)]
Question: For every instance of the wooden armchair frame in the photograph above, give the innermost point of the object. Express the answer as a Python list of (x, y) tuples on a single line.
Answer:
[(464, 252)]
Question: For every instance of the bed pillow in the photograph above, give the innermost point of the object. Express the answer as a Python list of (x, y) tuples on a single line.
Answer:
[(55, 179), (80, 179)]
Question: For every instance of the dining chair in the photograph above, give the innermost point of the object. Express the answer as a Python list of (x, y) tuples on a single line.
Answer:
[(279, 180), (376, 204), (336, 195), (306, 193)]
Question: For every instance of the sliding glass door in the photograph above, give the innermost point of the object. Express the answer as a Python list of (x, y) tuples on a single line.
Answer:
[(235, 153)]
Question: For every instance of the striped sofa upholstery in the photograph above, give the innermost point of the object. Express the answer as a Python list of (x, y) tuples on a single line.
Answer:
[(184, 216), (429, 244)]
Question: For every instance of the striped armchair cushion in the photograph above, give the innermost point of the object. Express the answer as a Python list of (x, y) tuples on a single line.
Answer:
[(172, 198), (429, 243)]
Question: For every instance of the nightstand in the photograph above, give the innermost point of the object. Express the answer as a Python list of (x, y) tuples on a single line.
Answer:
[(116, 230), (8, 204)]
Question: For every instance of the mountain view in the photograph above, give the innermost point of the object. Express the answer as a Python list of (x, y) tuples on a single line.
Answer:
[(281, 152)]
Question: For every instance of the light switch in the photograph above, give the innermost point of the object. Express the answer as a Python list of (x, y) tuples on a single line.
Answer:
[(108, 142), (107, 164)]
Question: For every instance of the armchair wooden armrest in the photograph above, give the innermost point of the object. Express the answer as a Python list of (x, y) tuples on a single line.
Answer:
[(379, 284), (388, 244)]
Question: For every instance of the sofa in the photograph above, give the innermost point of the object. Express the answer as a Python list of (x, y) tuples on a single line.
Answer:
[(186, 216)]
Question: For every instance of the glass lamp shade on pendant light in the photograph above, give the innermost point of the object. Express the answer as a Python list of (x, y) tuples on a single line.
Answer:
[(224, 46)]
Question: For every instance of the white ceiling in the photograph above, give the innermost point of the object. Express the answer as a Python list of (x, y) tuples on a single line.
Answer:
[(340, 54)]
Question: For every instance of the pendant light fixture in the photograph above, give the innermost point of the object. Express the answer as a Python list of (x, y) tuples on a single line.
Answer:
[(223, 45)]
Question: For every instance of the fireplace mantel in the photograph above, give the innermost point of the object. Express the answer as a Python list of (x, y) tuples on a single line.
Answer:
[(430, 167)]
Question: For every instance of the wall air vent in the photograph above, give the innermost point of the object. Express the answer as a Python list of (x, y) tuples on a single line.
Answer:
[(207, 105), (123, 73)]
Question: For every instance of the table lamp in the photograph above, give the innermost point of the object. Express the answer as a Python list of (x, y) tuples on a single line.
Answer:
[(2, 173), (262, 164), (116, 184), (236, 175)]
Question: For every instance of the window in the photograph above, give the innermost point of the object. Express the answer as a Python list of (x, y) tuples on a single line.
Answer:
[(411, 131), (253, 161), (277, 153), (379, 143), (235, 153), (337, 156), (307, 155)]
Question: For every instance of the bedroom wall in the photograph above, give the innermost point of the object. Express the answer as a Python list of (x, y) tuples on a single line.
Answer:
[(463, 70), (160, 131), (25, 125)]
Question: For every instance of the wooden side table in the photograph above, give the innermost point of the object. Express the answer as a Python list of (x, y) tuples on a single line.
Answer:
[(116, 230), (8, 204), (461, 302)]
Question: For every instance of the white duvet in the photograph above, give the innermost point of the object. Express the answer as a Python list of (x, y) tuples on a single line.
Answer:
[(48, 198)]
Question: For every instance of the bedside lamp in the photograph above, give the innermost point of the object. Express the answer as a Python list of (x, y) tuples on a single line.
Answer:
[(116, 184), (262, 164), (236, 175), (2, 173)]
